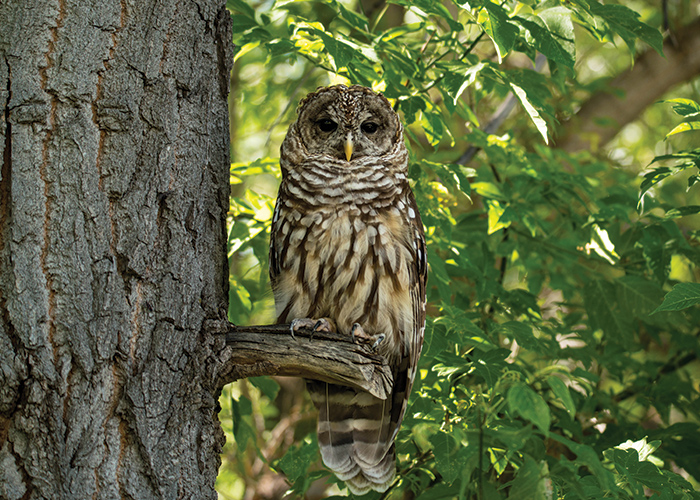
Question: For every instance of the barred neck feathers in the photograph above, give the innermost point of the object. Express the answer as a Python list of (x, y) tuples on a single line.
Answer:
[(320, 180)]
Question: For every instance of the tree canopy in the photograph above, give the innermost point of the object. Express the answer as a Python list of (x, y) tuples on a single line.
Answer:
[(560, 356)]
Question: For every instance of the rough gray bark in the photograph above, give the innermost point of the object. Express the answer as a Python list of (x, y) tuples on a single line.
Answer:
[(113, 197)]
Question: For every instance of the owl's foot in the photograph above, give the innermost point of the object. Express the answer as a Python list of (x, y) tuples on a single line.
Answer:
[(358, 333), (315, 325)]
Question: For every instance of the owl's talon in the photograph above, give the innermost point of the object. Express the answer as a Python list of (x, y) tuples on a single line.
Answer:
[(358, 333), (315, 325), (378, 339)]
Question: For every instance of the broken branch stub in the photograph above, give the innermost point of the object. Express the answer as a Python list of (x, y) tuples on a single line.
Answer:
[(329, 357)]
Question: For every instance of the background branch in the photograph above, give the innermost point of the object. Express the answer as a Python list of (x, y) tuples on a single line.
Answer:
[(605, 113), (329, 357)]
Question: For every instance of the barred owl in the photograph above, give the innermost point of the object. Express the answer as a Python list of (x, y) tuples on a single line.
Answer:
[(347, 254)]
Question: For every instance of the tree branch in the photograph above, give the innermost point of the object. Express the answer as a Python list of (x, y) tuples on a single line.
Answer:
[(329, 357), (631, 92)]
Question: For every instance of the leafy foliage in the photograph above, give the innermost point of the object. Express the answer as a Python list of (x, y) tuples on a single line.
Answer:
[(553, 366)]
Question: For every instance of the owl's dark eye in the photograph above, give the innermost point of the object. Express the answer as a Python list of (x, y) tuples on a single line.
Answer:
[(327, 125), (369, 127)]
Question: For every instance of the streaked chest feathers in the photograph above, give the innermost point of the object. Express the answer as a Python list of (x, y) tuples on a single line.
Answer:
[(349, 263)]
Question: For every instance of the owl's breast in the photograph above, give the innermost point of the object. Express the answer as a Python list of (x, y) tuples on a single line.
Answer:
[(349, 263)]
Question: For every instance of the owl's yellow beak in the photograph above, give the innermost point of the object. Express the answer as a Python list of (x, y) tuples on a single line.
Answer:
[(348, 146)]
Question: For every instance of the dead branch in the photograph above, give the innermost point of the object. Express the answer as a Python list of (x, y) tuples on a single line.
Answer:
[(329, 357)]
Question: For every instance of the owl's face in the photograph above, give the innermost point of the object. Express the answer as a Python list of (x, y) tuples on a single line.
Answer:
[(347, 123)]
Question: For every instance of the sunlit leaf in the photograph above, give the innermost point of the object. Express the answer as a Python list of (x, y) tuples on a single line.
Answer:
[(561, 27), (498, 26), (684, 107), (245, 49), (624, 22), (534, 115), (546, 43), (540, 350), (684, 127), (495, 211)]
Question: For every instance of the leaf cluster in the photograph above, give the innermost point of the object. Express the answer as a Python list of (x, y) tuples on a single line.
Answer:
[(553, 367)]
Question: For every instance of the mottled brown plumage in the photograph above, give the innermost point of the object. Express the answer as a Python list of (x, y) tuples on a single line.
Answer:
[(347, 245)]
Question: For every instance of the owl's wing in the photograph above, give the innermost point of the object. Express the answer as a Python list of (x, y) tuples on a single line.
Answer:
[(418, 281), (405, 372), (274, 256)]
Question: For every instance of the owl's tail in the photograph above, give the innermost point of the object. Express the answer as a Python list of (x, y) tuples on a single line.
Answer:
[(356, 434)]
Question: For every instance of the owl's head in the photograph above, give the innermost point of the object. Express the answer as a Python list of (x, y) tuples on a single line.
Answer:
[(347, 123)]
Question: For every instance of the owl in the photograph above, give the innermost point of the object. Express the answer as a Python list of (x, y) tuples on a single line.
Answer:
[(347, 254)]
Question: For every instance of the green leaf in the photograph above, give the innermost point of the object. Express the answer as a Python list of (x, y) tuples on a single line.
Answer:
[(352, 18), (684, 127), (241, 24), (268, 386), (520, 332), (523, 401), (637, 296), (558, 21), (586, 455), (432, 123), (692, 180), (545, 43), (658, 174), (411, 106), (628, 465), (561, 391), (497, 25), (430, 7), (534, 115), (656, 252), (298, 459), (684, 107), (489, 365), (644, 449), (341, 52), (529, 482), (495, 211), (674, 213), (456, 82), (605, 312), (242, 430), (682, 296), (447, 458), (488, 190), (531, 90), (242, 7), (625, 22), (245, 49)]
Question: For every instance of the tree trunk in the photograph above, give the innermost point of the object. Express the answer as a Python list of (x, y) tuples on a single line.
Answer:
[(113, 201)]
